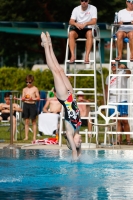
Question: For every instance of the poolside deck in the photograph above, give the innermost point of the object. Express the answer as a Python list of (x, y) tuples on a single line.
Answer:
[(39, 146)]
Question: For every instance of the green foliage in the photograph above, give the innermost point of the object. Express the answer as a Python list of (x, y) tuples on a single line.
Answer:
[(106, 9), (14, 78), (13, 45), (88, 81)]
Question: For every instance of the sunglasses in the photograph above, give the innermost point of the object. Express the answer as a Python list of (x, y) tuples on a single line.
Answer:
[(130, 1), (113, 65), (84, 0), (29, 82)]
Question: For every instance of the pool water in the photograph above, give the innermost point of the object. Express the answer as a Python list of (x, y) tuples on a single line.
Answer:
[(50, 174)]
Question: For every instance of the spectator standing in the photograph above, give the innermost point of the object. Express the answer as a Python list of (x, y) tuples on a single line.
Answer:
[(30, 95)]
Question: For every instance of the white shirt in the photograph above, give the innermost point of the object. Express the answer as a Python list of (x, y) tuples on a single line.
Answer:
[(82, 16), (117, 82), (125, 16)]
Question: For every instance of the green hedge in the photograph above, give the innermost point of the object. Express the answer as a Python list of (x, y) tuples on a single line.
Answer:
[(12, 78)]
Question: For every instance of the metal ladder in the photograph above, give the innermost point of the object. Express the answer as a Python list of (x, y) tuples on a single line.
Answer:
[(118, 90), (76, 75)]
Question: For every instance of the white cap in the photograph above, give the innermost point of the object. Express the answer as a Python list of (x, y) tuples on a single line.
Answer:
[(80, 93)]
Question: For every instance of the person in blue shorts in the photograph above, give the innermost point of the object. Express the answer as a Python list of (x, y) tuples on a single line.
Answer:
[(119, 82)]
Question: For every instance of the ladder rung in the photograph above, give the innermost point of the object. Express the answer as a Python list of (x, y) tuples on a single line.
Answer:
[(83, 132), (120, 103), (83, 89), (81, 39), (125, 75), (89, 103), (84, 117), (84, 39), (80, 75), (79, 61), (115, 132), (121, 61), (120, 89), (90, 89)]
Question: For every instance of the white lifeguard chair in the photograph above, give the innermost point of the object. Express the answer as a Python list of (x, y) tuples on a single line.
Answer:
[(129, 89), (74, 72)]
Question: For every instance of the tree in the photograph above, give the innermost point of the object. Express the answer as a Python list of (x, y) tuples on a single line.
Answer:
[(13, 45)]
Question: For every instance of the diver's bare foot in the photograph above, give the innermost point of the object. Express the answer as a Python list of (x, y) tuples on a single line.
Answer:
[(44, 39), (48, 38), (25, 138)]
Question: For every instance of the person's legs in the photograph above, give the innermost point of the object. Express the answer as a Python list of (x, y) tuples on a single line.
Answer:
[(65, 79), (120, 35), (14, 126), (89, 128), (89, 43), (130, 36), (27, 121), (34, 129), (119, 137), (126, 128), (123, 109), (119, 129), (72, 37), (61, 90)]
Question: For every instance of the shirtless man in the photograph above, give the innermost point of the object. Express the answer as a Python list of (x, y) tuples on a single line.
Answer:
[(30, 95), (52, 105), (5, 111), (84, 109)]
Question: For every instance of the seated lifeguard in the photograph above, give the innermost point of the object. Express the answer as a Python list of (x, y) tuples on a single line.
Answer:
[(81, 21), (5, 111), (125, 19)]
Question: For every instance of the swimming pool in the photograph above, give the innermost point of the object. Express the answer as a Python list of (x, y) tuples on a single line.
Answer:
[(50, 174)]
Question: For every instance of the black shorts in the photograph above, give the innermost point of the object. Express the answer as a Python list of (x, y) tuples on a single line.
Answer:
[(29, 111), (84, 122), (6, 115), (81, 33)]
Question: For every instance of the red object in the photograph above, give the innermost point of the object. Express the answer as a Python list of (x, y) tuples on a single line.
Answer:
[(46, 141)]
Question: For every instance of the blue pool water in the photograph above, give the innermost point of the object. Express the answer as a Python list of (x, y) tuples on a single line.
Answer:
[(50, 174)]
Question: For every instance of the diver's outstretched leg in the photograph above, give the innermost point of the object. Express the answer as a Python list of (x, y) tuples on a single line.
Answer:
[(65, 79), (61, 90)]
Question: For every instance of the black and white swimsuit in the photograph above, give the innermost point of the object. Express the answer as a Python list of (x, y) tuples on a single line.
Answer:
[(72, 113)]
